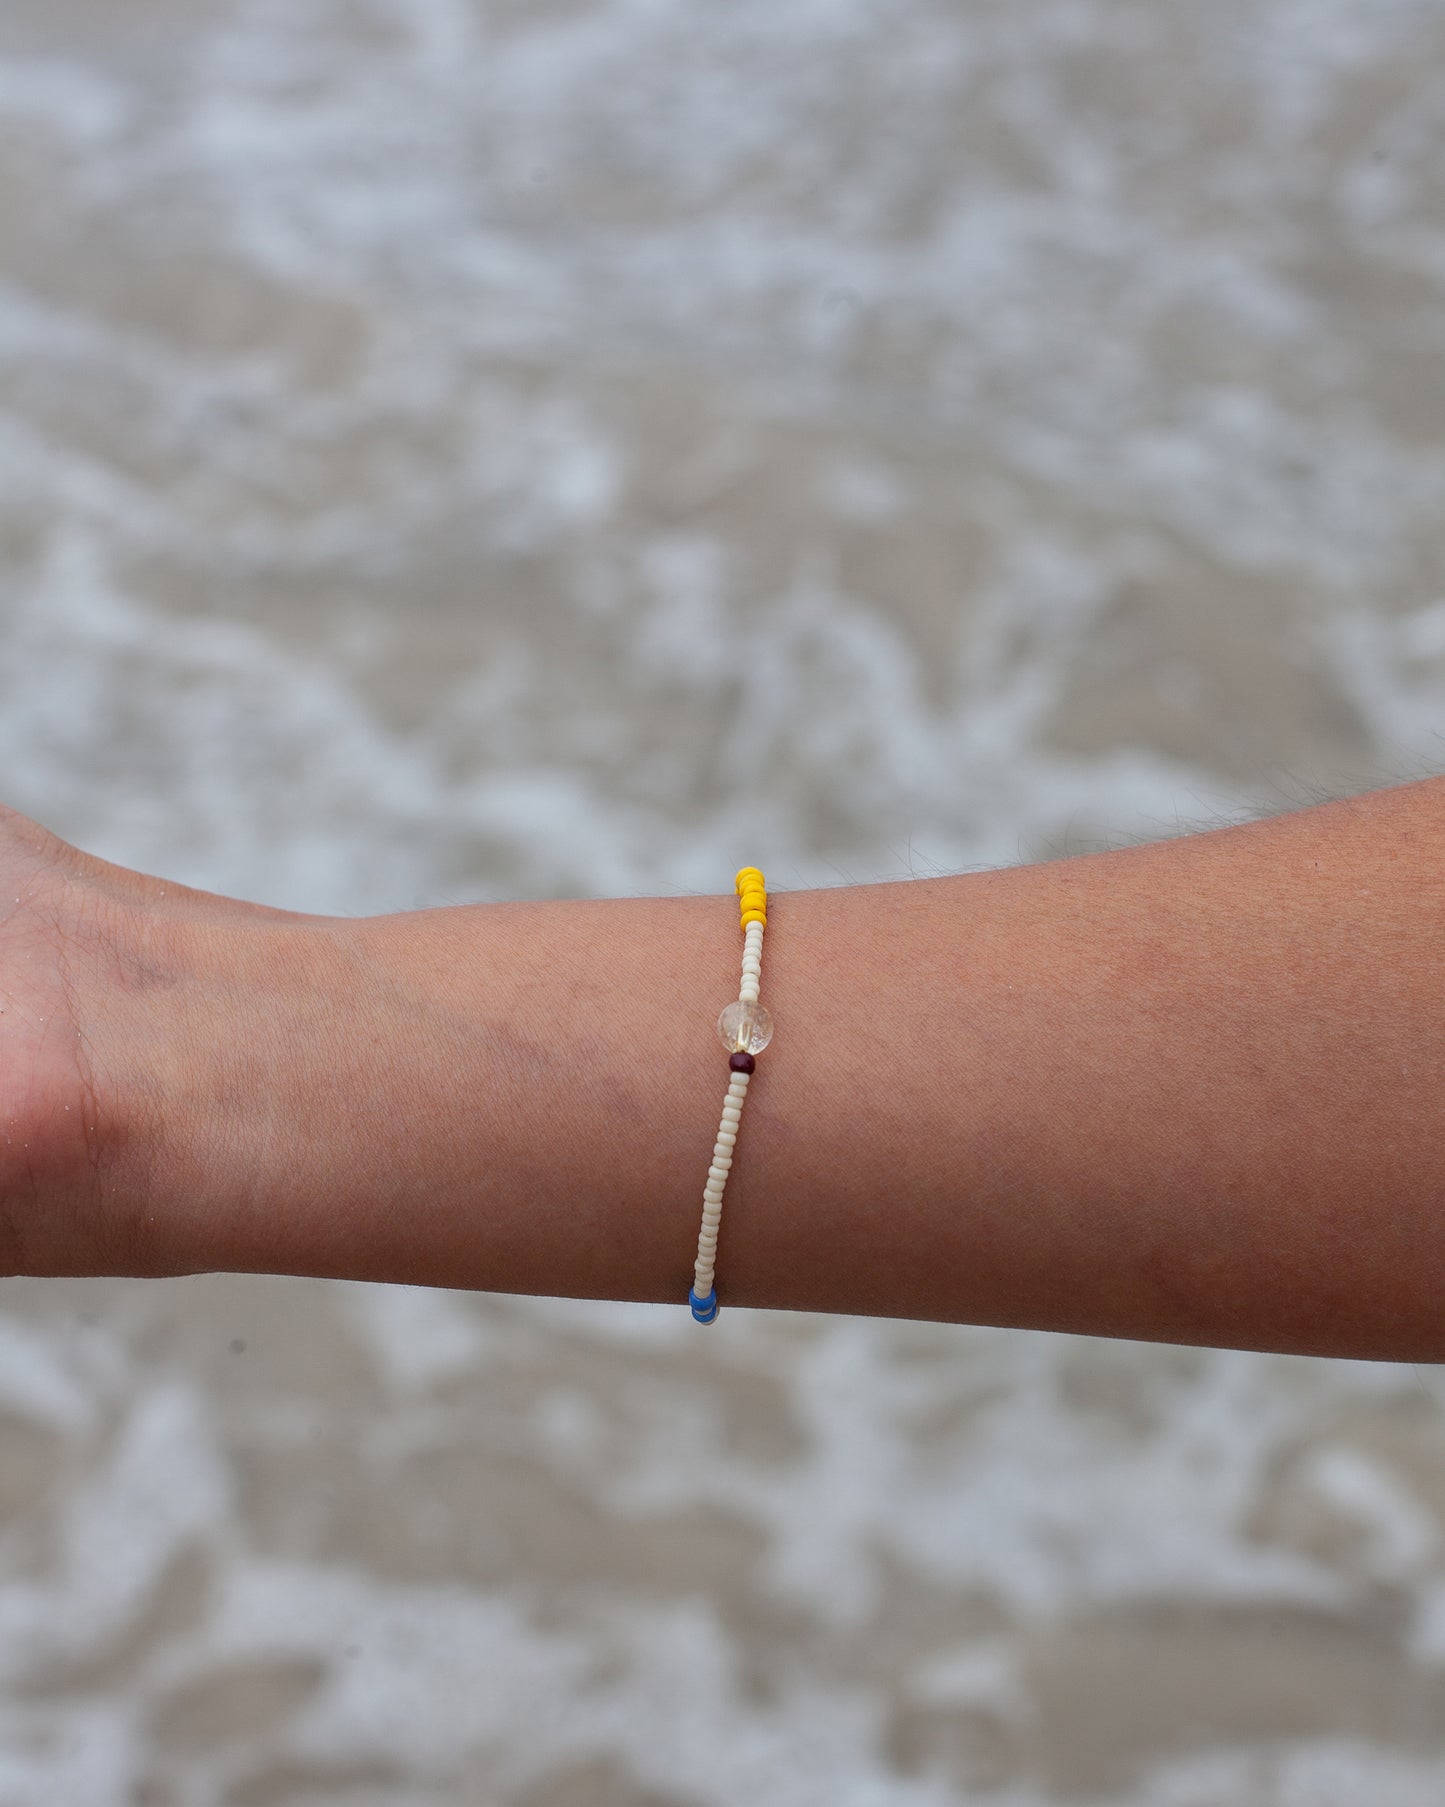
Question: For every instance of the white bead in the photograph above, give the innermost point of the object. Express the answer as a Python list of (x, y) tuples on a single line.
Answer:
[(742, 1025)]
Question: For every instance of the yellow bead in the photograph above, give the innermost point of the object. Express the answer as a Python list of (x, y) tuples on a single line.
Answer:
[(747, 872), (755, 916)]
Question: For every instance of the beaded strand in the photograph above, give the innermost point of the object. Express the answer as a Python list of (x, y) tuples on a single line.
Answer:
[(745, 1029)]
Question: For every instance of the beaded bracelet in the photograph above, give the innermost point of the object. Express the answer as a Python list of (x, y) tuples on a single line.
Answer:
[(745, 1029)]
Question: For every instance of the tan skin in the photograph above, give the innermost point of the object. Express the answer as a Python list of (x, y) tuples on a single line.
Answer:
[(1189, 1092), (88, 952)]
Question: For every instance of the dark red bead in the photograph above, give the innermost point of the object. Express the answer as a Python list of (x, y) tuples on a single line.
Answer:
[(741, 1062)]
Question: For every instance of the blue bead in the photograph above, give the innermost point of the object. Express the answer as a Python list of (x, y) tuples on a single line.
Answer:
[(704, 1310)]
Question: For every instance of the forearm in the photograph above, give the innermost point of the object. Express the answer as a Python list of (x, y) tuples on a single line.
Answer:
[(1186, 1092)]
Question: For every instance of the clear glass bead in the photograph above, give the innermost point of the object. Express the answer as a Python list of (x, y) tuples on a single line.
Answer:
[(745, 1028)]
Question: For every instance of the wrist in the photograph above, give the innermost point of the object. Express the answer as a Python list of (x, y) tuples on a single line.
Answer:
[(465, 1096), (216, 1073)]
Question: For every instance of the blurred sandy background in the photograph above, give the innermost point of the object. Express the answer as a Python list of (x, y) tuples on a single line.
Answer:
[(441, 444)]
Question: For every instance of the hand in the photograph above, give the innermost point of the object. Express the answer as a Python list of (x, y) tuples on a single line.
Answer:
[(60, 1094), (101, 1011)]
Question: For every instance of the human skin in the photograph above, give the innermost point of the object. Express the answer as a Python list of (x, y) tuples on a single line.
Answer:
[(1185, 1092)]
